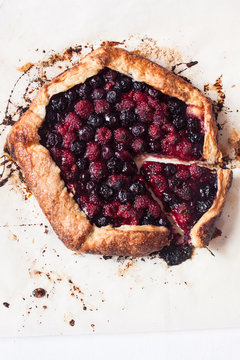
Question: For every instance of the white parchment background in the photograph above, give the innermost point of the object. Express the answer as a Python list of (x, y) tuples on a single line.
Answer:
[(107, 295)]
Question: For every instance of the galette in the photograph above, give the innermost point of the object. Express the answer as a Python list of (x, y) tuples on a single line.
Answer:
[(122, 156)]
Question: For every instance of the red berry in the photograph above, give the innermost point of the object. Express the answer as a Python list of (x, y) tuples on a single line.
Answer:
[(104, 135), (128, 96), (111, 209), (72, 122), (169, 128), (139, 145), (154, 131), (184, 148), (126, 104), (84, 108), (56, 153), (154, 209), (159, 182), (68, 139), (140, 96), (91, 209), (117, 181), (145, 111), (183, 174), (195, 171), (159, 118), (61, 129), (142, 202), (68, 159), (101, 106), (98, 170), (93, 151), (122, 135), (154, 103)]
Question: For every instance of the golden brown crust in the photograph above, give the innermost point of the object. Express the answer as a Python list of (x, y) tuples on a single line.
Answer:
[(202, 231), (43, 175)]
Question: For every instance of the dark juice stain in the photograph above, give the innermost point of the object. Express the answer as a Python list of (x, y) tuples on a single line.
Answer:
[(218, 87)]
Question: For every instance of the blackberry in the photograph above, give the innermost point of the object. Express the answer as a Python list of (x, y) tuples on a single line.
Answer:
[(95, 120)]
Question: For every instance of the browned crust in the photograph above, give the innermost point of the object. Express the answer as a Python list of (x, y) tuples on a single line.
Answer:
[(43, 175), (202, 231)]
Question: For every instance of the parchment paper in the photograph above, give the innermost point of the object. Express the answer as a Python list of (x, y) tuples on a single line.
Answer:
[(86, 293)]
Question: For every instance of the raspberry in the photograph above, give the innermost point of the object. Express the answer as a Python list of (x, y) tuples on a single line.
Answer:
[(111, 209), (159, 182), (195, 171), (184, 192), (122, 135), (84, 108), (72, 122), (154, 131), (128, 96), (183, 174), (91, 209), (169, 128), (154, 103), (109, 85), (68, 159), (93, 198), (98, 170), (140, 96), (145, 111), (184, 148), (101, 106), (104, 135), (154, 209), (159, 118), (107, 152), (126, 104), (68, 139), (61, 129), (142, 202), (139, 145), (56, 153), (93, 151), (156, 168), (126, 211), (124, 155)]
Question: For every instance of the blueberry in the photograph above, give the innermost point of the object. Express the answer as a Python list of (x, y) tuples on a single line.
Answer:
[(82, 163), (175, 106), (206, 191), (140, 86), (170, 169), (125, 83), (163, 222), (127, 117), (84, 176), (53, 139), (154, 146), (107, 152), (195, 138), (113, 96), (114, 165), (203, 205), (95, 81), (98, 94), (92, 186), (111, 120), (138, 188), (95, 120), (153, 93), (84, 91), (71, 95), (110, 75), (170, 199), (125, 196), (102, 221), (193, 125), (106, 192), (179, 122), (148, 220), (129, 168), (78, 147), (139, 129), (86, 133), (58, 102)]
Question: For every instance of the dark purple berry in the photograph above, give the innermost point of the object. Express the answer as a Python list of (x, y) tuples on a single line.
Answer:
[(95, 120), (170, 169), (98, 94), (82, 164), (113, 96), (129, 168), (106, 192), (84, 91), (78, 147), (114, 165), (196, 138), (86, 133), (203, 205), (179, 122), (140, 86), (58, 102), (102, 221), (125, 83), (111, 120), (107, 152), (154, 146), (139, 129), (95, 81), (153, 93), (193, 125), (127, 117), (84, 176), (175, 106), (138, 188), (125, 196), (53, 139)]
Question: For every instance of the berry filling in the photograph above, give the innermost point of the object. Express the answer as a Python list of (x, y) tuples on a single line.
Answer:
[(186, 191), (95, 130)]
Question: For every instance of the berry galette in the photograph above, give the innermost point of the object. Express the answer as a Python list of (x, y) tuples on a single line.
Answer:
[(81, 144)]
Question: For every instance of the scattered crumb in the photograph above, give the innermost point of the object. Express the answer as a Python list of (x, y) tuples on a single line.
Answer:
[(6, 304), (25, 67), (72, 322), (217, 232), (234, 141), (39, 292)]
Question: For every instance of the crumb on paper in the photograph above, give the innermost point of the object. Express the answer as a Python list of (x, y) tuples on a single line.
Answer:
[(39, 292), (72, 322), (123, 270), (6, 304), (217, 232), (93, 327), (25, 67)]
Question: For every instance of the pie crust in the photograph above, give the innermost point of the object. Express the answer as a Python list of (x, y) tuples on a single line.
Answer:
[(43, 175)]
